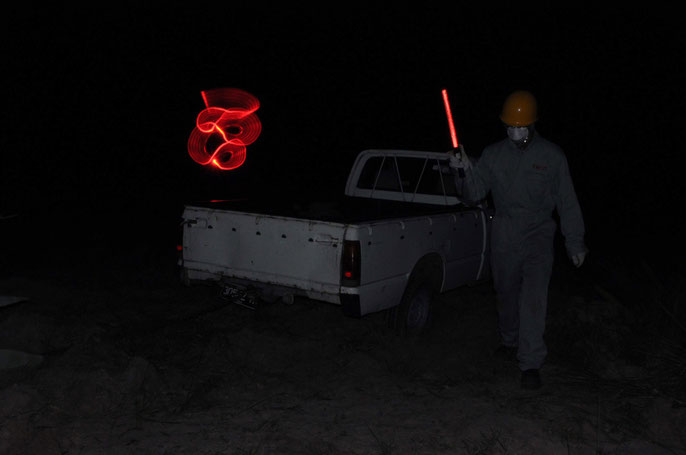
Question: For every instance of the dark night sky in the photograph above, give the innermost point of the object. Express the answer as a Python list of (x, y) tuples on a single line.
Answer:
[(99, 103)]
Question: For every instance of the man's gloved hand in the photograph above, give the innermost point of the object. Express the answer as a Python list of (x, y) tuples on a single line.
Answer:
[(578, 259), (459, 160)]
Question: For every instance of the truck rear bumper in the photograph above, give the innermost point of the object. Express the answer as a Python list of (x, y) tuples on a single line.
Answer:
[(355, 301), (269, 290)]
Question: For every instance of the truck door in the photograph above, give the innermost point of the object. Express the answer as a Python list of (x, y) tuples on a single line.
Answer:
[(466, 256)]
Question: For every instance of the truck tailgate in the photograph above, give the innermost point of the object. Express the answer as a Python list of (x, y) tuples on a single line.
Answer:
[(289, 252)]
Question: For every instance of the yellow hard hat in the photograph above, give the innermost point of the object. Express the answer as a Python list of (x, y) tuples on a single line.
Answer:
[(519, 109)]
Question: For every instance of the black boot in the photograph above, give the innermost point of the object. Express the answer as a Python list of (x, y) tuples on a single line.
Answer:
[(531, 379)]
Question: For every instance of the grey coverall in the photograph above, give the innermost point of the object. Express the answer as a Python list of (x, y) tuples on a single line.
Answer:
[(526, 186)]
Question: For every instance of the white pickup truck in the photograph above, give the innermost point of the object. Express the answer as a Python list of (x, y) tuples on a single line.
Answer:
[(397, 237)]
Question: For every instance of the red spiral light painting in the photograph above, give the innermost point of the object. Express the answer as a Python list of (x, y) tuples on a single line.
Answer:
[(225, 128)]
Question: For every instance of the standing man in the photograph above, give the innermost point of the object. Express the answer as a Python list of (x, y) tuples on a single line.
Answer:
[(528, 177)]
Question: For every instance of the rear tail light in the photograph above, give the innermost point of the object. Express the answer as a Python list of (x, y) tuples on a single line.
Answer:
[(350, 263)]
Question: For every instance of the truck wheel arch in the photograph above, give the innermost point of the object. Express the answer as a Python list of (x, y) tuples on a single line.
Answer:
[(413, 313), (429, 268)]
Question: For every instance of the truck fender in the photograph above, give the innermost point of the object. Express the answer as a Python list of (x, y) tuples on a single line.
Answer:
[(413, 314), (429, 268)]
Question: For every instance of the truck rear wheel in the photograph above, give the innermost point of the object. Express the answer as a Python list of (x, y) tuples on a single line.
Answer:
[(413, 315)]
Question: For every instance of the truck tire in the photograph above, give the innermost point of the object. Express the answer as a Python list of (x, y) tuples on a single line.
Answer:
[(413, 315)]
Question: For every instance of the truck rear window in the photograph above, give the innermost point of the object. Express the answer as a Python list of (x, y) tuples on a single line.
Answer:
[(407, 175)]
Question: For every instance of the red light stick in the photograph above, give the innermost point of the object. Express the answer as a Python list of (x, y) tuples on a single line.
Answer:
[(453, 134), (449, 114)]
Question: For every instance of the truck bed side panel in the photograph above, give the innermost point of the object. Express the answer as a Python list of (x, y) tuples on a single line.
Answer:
[(281, 251), (391, 249)]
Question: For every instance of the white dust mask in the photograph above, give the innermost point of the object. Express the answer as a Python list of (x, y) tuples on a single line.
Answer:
[(517, 133)]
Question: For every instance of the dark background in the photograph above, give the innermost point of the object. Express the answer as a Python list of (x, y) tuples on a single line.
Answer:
[(98, 104)]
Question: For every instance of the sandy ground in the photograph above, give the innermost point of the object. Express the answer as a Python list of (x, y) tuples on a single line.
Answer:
[(135, 363)]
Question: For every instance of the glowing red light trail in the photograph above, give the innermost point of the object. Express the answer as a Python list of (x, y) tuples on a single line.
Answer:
[(229, 118), (449, 114)]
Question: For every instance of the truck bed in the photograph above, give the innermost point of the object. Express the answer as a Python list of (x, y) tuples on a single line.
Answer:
[(344, 210)]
